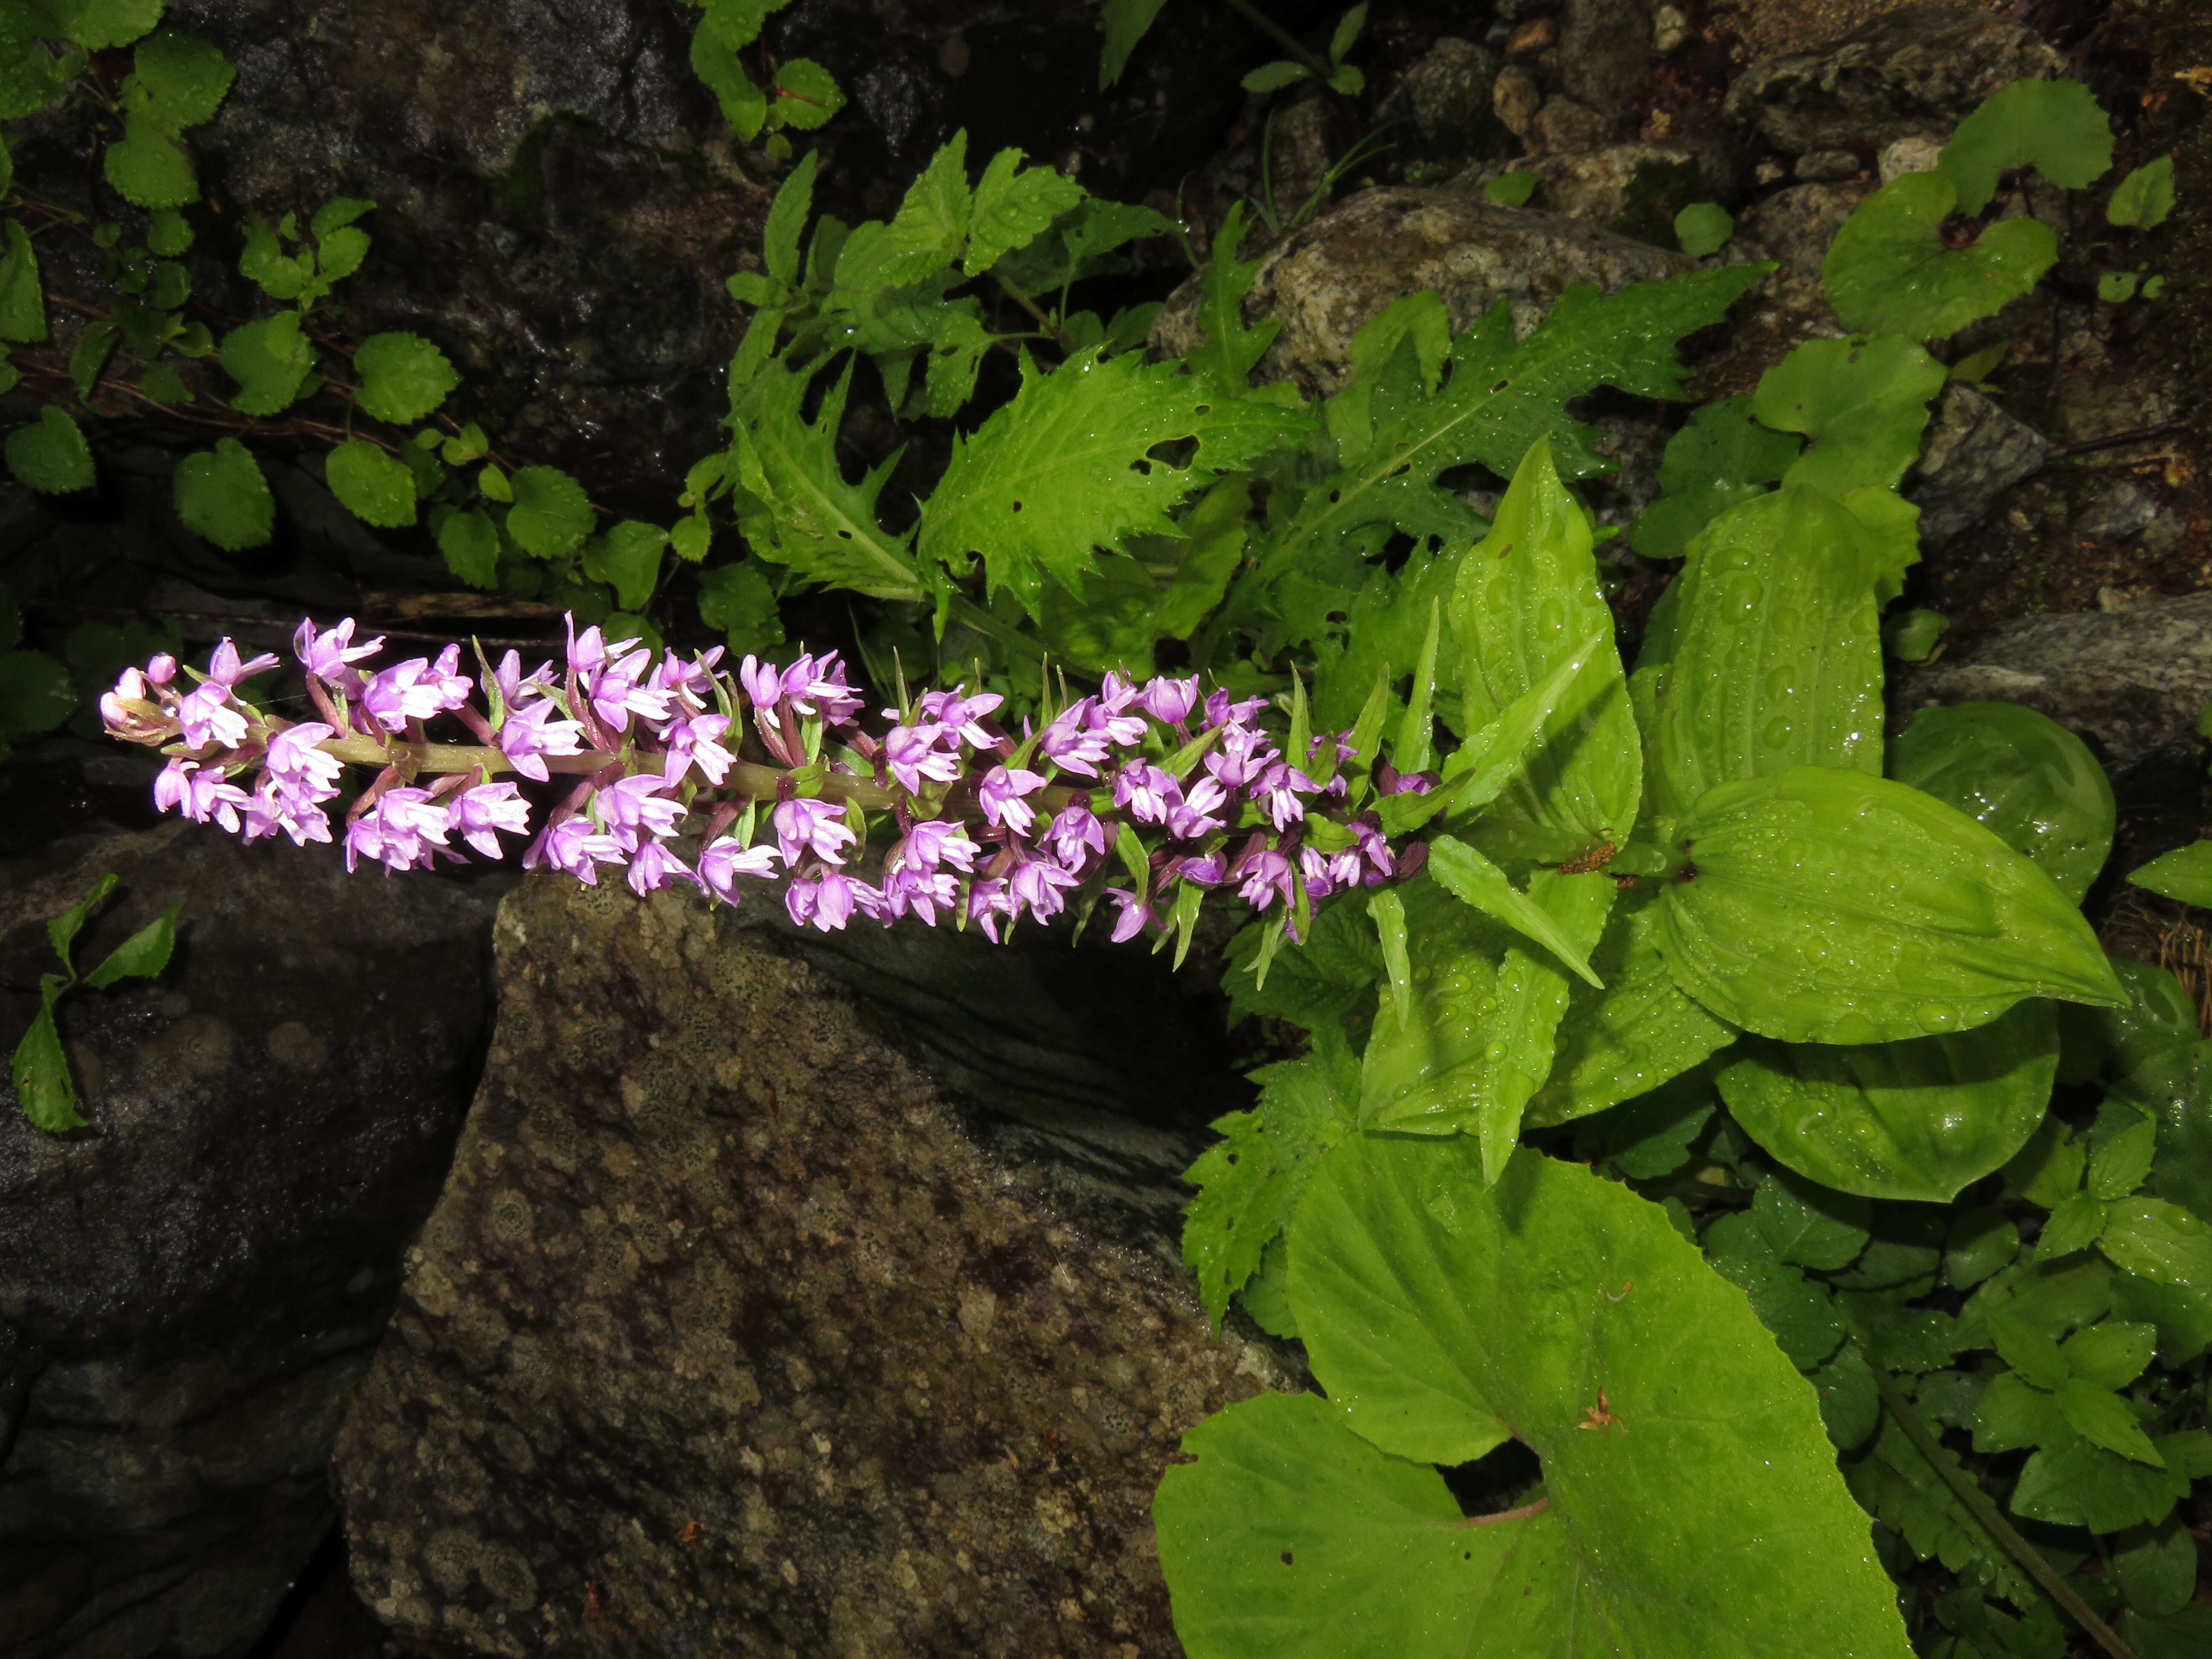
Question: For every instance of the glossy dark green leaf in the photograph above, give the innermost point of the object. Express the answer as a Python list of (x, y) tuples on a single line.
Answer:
[(2184, 874), (2020, 775), (143, 955), (1526, 603), (2161, 1241), (1918, 1119), (1758, 683), (41, 1074), (50, 454), (1436, 1312), (2080, 1485), (1810, 1226), (1822, 906), (1722, 457)]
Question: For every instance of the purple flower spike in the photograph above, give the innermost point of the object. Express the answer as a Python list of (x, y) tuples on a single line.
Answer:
[(634, 809), (762, 682), (1000, 798), (1169, 702), (1135, 915), (692, 742), (403, 692), (331, 655), (1039, 883), (1146, 791), (535, 730), (725, 860), (962, 714), (824, 692), (818, 826), (401, 831), (577, 845), (488, 807), (206, 717), (654, 867), (1276, 790)]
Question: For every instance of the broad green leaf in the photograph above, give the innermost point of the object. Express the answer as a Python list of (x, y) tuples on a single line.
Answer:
[(551, 514), (1758, 684), (1402, 1270), (1125, 23), (1635, 1033), (62, 930), (1319, 982), (2054, 126), (1921, 1119), (2112, 1354), (1890, 272), (1532, 996), (50, 454), (809, 519), (1808, 1226), (41, 1074), (627, 558), (1067, 465), (149, 167), (2144, 197), (2162, 1242), (101, 25), (1250, 1182), (807, 95), (374, 487), (167, 232), (23, 292), (30, 76), (143, 955), (1213, 541), (786, 219), (1979, 1241), (1013, 206), (177, 81), (1474, 879), (926, 235), (1512, 189), (36, 694), (264, 263), (1799, 1313), (270, 360), (1423, 1071), (1822, 906), (2184, 874), (337, 214), (219, 493), (2075, 1226), (2119, 1162), (1480, 768), (740, 599), (2081, 1484), (1862, 404), (1723, 456), (1525, 603), (2156, 1566), (745, 107), (2014, 1415), (1703, 227), (2020, 775), (470, 542), (402, 377)]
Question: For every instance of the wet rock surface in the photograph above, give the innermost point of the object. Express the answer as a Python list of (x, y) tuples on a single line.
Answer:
[(189, 1285), (1974, 452), (730, 1335)]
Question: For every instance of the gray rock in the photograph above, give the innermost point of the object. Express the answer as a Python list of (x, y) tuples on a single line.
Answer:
[(1974, 452), (1448, 94), (1915, 69), (730, 1334), (1827, 166), (189, 1286), (2137, 677), (1516, 98), (1565, 124), (1916, 153), (1794, 228), (1632, 189), (1325, 281), (2113, 514), (1606, 53), (1301, 145)]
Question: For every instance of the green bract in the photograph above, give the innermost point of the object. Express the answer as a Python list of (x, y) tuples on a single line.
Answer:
[(1890, 270), (2020, 775), (1303, 1529), (1820, 906)]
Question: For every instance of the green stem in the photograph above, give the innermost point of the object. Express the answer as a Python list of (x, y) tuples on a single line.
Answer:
[(1986, 1512), (1036, 311), (1282, 36)]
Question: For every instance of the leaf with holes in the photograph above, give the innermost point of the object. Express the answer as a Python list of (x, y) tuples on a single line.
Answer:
[(1069, 465), (1436, 1313)]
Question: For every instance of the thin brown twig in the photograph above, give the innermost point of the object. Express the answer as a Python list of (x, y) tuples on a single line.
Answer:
[(2142, 434)]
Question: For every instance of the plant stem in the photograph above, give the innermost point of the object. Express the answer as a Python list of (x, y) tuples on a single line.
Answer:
[(1986, 1512), (1320, 66), (1042, 321)]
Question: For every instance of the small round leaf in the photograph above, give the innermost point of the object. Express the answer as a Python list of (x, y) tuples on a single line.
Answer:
[(372, 486), (551, 514), (219, 493), (403, 376), (49, 455)]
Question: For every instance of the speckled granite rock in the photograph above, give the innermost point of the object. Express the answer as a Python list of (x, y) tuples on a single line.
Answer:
[(1794, 228), (1326, 280), (189, 1285), (1916, 69), (729, 1337), (1634, 190), (1606, 53), (1974, 452), (2138, 677)]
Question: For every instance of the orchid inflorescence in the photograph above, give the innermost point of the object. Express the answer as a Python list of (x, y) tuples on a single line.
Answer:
[(675, 781)]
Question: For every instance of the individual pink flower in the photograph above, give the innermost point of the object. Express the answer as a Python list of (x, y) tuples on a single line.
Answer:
[(911, 754), (514, 685), (1000, 797), (478, 813), (1264, 876), (1276, 790), (200, 793), (923, 892), (224, 667), (1193, 816), (162, 669), (577, 845), (990, 902), (403, 829), (1075, 834), (274, 808), (1072, 742), (1038, 883), (205, 717), (654, 867), (962, 714), (817, 825), (935, 842), (762, 682), (331, 655), (409, 690), (634, 809), (1144, 790), (1135, 916), (308, 773), (827, 899), (723, 861), (696, 742), (533, 729), (1169, 702)]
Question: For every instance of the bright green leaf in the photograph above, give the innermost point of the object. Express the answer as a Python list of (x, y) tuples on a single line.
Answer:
[(2162, 1242), (1125, 23), (264, 262), (402, 377), (740, 600), (1810, 1226), (219, 493), (376, 487), (745, 105), (1890, 272), (1703, 227), (806, 95), (470, 542), (177, 81), (629, 558), (2054, 126), (143, 955), (270, 360), (2184, 874), (2144, 197), (1013, 205), (551, 514), (2081, 1484), (40, 1073), (1512, 189), (1862, 403), (50, 454), (62, 930), (1274, 76)]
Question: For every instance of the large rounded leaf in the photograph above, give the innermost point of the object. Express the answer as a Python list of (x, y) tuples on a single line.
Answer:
[(1914, 1119), (2021, 775), (1692, 1509), (1820, 906)]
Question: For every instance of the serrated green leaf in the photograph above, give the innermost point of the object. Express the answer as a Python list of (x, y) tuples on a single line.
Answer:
[(31, 77), (1229, 347), (1721, 458), (1862, 403), (2161, 1242), (171, 286), (402, 377), (337, 213), (1348, 32), (2120, 1164), (270, 360), (1890, 272), (2144, 197), (22, 294), (1319, 983), (177, 81), (1830, 907), (149, 167), (36, 695), (925, 237), (2047, 1170), (1250, 1182), (1896, 1483), (62, 930), (219, 493), (1808, 1225), (264, 262), (1125, 23), (1394, 1246), (740, 600), (143, 955), (551, 514), (2116, 287), (1424, 1070), (375, 487), (2156, 1566), (2020, 775), (627, 558), (1013, 205), (1800, 1314), (1066, 466), (1475, 880), (2184, 874), (2112, 1354), (39, 1071), (94, 347), (339, 254), (1978, 1243), (49, 454), (100, 25), (1755, 687), (806, 95), (2081, 1484), (1916, 1120), (2054, 126), (1703, 227), (470, 542), (786, 220), (493, 484), (745, 105)]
